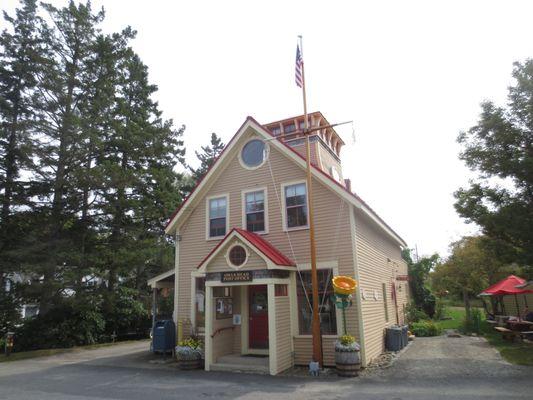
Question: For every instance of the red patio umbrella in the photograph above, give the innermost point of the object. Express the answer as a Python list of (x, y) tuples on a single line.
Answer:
[(507, 286)]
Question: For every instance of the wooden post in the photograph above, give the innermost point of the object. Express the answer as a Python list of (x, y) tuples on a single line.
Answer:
[(517, 307), (154, 308), (317, 338)]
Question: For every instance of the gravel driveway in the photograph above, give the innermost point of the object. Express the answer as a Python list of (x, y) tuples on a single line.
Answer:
[(432, 368)]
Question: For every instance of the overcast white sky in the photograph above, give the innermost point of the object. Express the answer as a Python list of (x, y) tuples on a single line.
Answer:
[(411, 74)]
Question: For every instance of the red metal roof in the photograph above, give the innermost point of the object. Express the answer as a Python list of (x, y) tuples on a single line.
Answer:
[(506, 286), (262, 245)]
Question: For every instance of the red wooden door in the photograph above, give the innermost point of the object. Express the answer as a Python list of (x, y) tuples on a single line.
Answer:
[(258, 327)]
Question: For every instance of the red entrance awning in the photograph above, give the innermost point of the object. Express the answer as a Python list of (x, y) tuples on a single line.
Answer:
[(506, 286)]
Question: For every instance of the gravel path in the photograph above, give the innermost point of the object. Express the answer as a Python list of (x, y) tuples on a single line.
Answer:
[(432, 368)]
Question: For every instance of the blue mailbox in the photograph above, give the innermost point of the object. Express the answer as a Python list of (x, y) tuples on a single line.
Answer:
[(164, 336)]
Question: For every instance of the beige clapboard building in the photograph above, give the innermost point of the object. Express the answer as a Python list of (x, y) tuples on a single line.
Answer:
[(242, 276)]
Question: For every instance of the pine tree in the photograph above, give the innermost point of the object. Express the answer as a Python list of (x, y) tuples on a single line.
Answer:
[(140, 191), (20, 50), (207, 158), (101, 168), (61, 141)]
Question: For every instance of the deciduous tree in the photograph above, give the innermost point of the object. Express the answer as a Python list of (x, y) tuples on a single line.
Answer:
[(500, 149)]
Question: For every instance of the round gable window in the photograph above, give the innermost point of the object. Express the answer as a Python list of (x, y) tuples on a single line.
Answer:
[(254, 153), (237, 256)]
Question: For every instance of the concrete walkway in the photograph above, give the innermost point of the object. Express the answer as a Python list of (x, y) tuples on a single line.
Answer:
[(433, 368)]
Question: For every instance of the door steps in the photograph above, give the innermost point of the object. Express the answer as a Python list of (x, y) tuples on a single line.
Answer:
[(243, 364)]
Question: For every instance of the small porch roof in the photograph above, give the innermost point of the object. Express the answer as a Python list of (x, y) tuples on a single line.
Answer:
[(166, 279), (262, 247)]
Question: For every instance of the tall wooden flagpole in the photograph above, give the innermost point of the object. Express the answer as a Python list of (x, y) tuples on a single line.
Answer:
[(317, 337)]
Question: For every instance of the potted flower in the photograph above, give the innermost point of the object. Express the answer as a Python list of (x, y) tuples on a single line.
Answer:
[(189, 353), (347, 350), (347, 358)]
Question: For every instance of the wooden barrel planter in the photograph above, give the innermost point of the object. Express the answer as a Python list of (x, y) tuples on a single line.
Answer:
[(348, 362), (188, 358), (190, 364)]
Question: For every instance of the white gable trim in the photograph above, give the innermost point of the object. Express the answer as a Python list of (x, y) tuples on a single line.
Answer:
[(227, 154), (153, 282), (237, 235)]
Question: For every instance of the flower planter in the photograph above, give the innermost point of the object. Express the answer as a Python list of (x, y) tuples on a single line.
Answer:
[(188, 358), (189, 364), (347, 359)]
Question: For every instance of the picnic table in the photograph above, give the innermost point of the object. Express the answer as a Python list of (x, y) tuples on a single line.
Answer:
[(516, 330), (502, 319), (520, 326)]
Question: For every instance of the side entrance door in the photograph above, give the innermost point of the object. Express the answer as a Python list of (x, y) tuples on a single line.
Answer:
[(258, 327)]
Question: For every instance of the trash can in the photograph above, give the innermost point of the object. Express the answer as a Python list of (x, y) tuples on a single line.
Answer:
[(164, 336), (393, 338), (405, 335)]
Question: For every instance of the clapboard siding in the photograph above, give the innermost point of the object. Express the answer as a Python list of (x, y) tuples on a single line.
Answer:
[(327, 161), (331, 219), (378, 261), (219, 263), (303, 350), (283, 334), (223, 341)]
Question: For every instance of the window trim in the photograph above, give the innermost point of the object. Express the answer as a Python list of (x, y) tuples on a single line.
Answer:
[(208, 220), (267, 153), (227, 257), (287, 125), (284, 206), (334, 266), (244, 192)]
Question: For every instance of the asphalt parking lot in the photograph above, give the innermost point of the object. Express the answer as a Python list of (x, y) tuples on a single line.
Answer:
[(432, 368)]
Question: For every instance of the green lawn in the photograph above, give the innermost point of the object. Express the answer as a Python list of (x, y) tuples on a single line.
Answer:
[(514, 352), (457, 314), (50, 352)]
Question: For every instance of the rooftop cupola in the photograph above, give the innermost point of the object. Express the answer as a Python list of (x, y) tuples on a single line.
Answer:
[(326, 144)]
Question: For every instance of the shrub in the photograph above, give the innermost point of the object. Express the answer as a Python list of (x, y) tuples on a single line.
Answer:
[(414, 314), (440, 310), (62, 326), (473, 324), (425, 328)]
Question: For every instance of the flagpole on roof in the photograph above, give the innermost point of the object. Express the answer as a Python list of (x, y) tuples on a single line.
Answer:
[(317, 337)]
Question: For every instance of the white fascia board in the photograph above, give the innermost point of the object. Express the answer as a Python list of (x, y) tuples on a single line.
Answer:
[(160, 277), (226, 155)]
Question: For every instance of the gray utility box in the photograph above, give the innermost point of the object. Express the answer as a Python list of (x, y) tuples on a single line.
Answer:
[(393, 338), (164, 336), (405, 335)]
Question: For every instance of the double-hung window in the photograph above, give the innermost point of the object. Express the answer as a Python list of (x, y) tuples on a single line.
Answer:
[(217, 216), (254, 203), (296, 205)]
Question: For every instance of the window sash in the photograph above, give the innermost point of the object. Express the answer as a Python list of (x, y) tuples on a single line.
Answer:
[(255, 211), (296, 205), (217, 216)]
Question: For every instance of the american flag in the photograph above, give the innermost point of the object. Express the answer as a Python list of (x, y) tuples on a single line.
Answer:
[(299, 68)]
